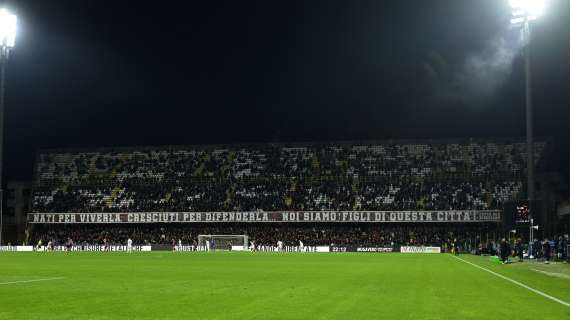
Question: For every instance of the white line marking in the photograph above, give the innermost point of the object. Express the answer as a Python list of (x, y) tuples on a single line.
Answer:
[(517, 283), (552, 274), (35, 280)]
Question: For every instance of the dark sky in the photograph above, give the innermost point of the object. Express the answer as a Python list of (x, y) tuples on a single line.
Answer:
[(108, 73)]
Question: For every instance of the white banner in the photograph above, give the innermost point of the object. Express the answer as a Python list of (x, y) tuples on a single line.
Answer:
[(96, 248), (273, 216), (420, 249), (187, 248), (16, 248), (374, 249)]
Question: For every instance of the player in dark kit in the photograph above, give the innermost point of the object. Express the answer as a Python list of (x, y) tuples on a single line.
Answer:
[(519, 249), (505, 250), (536, 250), (456, 247), (565, 249), (560, 248), (546, 251)]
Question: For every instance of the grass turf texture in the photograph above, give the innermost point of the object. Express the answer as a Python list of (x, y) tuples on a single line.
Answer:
[(232, 285)]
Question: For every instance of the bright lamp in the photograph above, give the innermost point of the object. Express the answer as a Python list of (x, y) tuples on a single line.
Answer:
[(526, 10), (8, 24)]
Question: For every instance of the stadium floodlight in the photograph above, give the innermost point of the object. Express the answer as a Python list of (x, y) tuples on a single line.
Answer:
[(8, 25), (526, 10), (523, 12)]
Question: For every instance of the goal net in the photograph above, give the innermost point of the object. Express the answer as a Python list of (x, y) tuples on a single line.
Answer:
[(222, 242)]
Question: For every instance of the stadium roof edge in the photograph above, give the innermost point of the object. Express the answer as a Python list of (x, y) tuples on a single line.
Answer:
[(292, 144)]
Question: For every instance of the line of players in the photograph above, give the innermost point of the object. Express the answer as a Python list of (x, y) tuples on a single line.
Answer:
[(253, 246), (504, 248), (68, 246)]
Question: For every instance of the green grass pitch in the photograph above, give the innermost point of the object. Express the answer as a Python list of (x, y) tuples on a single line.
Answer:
[(234, 285)]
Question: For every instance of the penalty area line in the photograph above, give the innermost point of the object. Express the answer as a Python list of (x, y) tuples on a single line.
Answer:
[(562, 302), (34, 280)]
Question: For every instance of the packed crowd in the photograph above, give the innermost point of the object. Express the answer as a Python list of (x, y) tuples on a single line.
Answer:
[(375, 176)]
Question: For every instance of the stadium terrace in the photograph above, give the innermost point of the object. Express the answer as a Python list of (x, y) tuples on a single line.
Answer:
[(334, 177)]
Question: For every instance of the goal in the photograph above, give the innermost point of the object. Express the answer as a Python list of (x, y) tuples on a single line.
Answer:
[(223, 241)]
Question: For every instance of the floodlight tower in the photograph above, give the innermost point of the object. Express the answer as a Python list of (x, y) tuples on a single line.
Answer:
[(8, 24), (523, 12)]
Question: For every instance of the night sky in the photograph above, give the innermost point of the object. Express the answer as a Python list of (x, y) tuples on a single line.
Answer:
[(122, 73)]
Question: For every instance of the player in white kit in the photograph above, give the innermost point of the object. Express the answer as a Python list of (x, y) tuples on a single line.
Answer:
[(129, 245), (280, 246), (301, 246)]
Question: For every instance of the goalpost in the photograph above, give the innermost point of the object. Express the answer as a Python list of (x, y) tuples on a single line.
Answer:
[(222, 241)]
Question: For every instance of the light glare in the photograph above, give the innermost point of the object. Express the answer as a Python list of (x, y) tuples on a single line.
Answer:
[(529, 8), (517, 20), (8, 24)]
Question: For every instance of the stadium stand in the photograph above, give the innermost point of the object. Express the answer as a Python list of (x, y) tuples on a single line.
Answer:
[(425, 175), (371, 176)]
